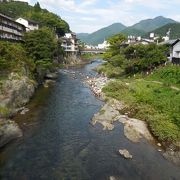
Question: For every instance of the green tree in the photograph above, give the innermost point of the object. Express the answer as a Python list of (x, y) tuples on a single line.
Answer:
[(116, 41), (37, 7), (40, 44)]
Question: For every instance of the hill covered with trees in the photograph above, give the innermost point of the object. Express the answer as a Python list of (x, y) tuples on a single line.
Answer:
[(99, 36), (139, 29), (16, 9), (175, 30)]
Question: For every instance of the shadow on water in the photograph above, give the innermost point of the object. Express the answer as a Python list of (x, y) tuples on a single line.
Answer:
[(60, 144)]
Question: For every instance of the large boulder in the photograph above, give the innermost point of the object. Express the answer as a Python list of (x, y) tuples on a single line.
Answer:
[(16, 92), (106, 116)]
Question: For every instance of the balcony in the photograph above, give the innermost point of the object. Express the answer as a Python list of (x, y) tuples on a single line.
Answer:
[(6, 29)]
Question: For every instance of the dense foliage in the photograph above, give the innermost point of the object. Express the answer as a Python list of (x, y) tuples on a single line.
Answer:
[(40, 44), (144, 58), (40, 47), (169, 75), (134, 58), (155, 97), (13, 57), (175, 30), (152, 102), (16, 9)]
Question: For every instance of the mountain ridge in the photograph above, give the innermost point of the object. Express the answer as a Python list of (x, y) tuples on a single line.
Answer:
[(175, 30), (101, 34), (138, 29)]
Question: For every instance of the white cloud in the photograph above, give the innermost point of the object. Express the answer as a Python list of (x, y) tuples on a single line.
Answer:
[(90, 15)]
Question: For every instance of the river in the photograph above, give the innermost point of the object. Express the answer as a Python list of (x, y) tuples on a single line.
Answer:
[(59, 143)]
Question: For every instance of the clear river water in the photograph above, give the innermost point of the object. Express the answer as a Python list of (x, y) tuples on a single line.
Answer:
[(59, 143)]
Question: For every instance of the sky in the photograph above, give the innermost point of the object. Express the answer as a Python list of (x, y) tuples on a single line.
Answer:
[(90, 15)]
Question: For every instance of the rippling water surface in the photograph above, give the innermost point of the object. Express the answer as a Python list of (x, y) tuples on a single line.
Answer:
[(60, 144)]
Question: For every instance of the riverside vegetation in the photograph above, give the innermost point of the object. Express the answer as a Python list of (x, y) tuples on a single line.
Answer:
[(149, 89), (23, 66)]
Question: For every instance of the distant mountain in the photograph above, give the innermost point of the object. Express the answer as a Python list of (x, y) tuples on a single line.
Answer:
[(152, 24), (83, 36), (138, 29), (175, 30), (132, 31), (99, 36)]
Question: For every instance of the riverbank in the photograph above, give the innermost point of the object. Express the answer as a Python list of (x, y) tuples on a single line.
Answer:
[(74, 60), (16, 90), (58, 124), (15, 93), (116, 110)]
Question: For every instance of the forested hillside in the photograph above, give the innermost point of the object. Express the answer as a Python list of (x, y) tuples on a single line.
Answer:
[(99, 36), (152, 24), (175, 30), (17, 9)]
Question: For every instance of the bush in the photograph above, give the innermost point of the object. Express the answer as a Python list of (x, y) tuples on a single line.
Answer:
[(168, 74), (40, 44), (13, 58)]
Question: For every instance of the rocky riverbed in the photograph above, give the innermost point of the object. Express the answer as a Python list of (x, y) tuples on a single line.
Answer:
[(134, 129)]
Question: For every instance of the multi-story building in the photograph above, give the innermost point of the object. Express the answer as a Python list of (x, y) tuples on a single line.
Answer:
[(70, 44), (10, 30), (29, 24)]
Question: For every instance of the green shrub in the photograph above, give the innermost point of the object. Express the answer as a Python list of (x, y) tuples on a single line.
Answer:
[(168, 74)]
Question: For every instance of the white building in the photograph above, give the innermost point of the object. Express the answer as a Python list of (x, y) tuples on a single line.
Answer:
[(174, 55), (10, 30), (175, 52), (29, 24), (70, 43), (104, 45)]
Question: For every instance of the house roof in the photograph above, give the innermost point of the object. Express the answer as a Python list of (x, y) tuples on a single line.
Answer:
[(32, 21), (11, 19), (29, 21), (170, 42)]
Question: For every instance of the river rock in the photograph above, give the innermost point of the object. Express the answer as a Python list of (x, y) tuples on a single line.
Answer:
[(9, 131), (48, 82), (106, 116), (173, 156), (112, 178), (125, 153), (97, 85), (24, 111), (135, 129), (51, 76), (15, 92)]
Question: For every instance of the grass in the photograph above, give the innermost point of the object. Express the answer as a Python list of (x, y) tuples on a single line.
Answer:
[(89, 56), (109, 70), (169, 75), (157, 104)]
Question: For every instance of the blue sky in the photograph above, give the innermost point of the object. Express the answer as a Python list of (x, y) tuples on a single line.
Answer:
[(91, 15)]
